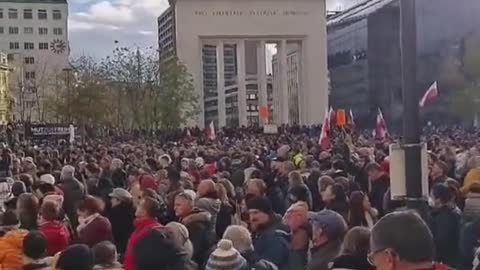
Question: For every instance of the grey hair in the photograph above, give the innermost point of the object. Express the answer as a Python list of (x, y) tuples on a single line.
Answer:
[(240, 237)]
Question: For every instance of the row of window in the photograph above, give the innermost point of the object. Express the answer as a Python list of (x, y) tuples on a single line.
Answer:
[(42, 14), (13, 30), (28, 46)]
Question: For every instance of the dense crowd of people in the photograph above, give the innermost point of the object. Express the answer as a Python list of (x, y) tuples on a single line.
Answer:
[(243, 201)]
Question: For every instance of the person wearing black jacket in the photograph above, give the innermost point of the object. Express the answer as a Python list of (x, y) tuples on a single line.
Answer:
[(380, 182), (445, 225), (122, 217)]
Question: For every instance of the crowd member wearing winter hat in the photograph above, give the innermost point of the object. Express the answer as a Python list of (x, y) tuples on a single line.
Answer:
[(270, 243), (76, 257), (122, 217), (167, 254), (445, 225), (207, 199), (355, 248), (56, 233), (181, 236), (199, 225), (391, 250), (93, 228), (225, 257), (296, 218), (105, 256), (146, 220), (34, 251), (242, 241), (328, 230)]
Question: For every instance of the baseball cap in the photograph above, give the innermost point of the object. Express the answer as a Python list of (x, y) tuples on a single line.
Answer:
[(121, 194), (29, 159), (47, 179), (331, 222)]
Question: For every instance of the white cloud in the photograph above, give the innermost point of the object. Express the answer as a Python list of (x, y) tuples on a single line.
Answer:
[(105, 12), (129, 21), (146, 33)]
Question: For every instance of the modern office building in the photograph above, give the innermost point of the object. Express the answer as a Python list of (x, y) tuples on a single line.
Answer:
[(6, 101), (34, 34), (228, 61), (364, 56), (166, 34)]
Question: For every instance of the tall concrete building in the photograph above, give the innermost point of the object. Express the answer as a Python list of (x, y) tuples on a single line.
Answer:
[(34, 34), (5, 95), (246, 28), (166, 34)]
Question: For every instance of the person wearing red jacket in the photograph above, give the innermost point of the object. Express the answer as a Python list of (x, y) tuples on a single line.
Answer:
[(55, 232), (146, 220)]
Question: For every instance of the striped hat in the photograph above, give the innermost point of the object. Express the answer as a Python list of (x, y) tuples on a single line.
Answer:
[(225, 257)]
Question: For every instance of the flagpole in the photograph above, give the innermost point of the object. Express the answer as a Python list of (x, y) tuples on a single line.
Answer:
[(411, 121)]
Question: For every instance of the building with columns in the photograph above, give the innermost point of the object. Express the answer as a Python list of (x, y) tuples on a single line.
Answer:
[(239, 32)]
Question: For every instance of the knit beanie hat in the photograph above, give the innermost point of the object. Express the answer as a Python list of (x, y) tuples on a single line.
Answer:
[(261, 204), (225, 257), (240, 237)]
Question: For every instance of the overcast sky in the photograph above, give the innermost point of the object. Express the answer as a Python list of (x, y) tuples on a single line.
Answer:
[(94, 25)]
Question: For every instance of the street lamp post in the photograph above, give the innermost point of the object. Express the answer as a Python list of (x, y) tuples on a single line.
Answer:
[(411, 122), (68, 71)]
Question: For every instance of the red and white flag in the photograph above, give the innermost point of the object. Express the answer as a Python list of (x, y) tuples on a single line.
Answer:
[(324, 140), (352, 119), (332, 116), (430, 96), (381, 127), (211, 132)]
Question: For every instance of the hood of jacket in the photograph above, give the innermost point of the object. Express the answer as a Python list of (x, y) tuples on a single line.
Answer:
[(208, 204), (197, 215)]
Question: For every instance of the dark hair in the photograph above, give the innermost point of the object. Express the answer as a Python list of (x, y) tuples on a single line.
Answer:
[(27, 180), (151, 206), (442, 192), (50, 211), (389, 232), (34, 245), (357, 242), (44, 188), (339, 192), (373, 167), (442, 165), (75, 257), (93, 168), (90, 205), (28, 210), (324, 182), (104, 253), (356, 216), (9, 218), (18, 188)]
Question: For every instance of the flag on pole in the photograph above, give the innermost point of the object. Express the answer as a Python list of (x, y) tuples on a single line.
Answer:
[(430, 95), (381, 127), (189, 134), (352, 119), (324, 140), (211, 132)]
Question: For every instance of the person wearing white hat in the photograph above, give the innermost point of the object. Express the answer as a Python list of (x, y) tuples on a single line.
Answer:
[(47, 179), (225, 257)]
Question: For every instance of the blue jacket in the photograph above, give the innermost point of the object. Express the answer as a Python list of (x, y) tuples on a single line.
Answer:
[(272, 245)]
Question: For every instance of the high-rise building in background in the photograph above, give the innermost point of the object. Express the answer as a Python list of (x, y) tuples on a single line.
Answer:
[(6, 101), (364, 58), (167, 49), (34, 34)]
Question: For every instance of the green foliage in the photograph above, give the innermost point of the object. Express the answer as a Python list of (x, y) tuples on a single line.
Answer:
[(465, 81), (129, 89)]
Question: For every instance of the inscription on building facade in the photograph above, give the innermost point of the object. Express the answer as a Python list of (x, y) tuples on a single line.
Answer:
[(253, 12)]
